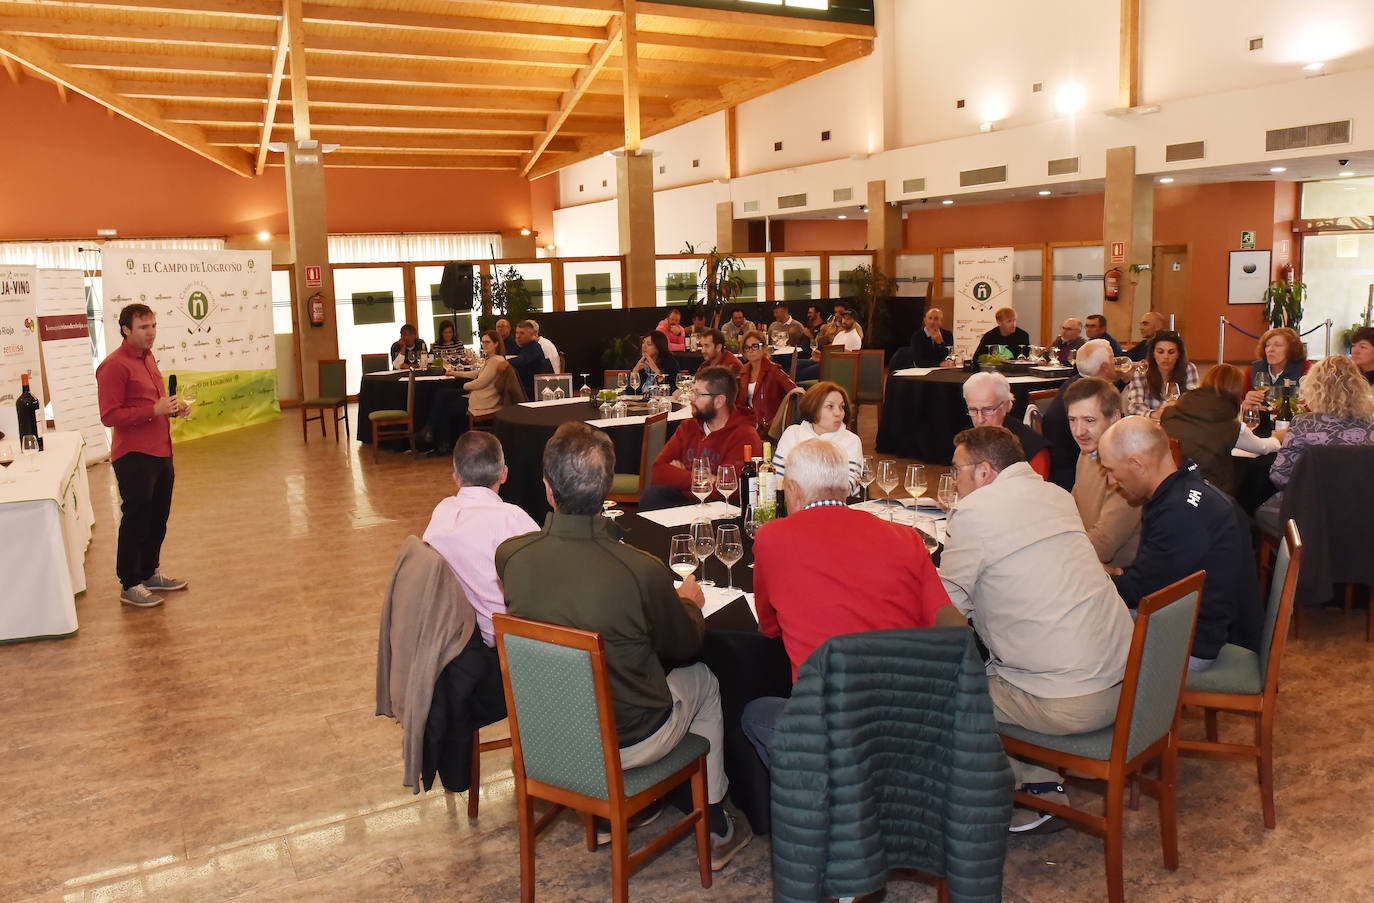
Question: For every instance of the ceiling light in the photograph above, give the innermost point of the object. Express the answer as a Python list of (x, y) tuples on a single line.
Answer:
[(1044, 193), (1166, 180), (524, 231), (985, 127), (841, 216), (1069, 99), (1278, 169), (1314, 67), (946, 202), (1344, 175), (264, 235)]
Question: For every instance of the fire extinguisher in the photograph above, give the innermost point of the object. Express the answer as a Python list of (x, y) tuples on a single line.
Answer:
[(317, 309), (1111, 284)]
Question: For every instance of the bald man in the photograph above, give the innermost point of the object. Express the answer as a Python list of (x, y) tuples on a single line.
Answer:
[(1152, 322), (1187, 525), (1070, 339)]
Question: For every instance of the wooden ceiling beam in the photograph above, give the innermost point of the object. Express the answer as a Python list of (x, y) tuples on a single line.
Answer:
[(317, 12), (595, 61), (342, 159), (63, 26), (629, 48), (41, 57), (343, 70), (152, 62), (273, 92), (749, 48), (667, 14), (262, 9), (399, 44), (603, 6), (711, 69), (353, 140), (613, 84), (300, 92), (16, 72), (245, 117)]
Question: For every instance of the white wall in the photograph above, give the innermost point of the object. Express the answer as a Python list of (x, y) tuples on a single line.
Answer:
[(681, 215), (701, 141)]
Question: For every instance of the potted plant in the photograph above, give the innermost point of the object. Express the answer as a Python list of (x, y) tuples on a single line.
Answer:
[(872, 289), (503, 293), (720, 280), (1283, 302), (620, 352)]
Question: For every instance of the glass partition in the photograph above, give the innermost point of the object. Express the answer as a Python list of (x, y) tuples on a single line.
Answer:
[(1339, 272), (796, 278), (285, 336), (433, 311), (914, 274), (1025, 291), (840, 266), (1077, 288), (592, 285), (369, 303), (677, 281)]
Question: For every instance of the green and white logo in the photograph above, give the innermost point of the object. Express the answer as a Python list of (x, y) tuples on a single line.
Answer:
[(129, 264), (982, 291), (197, 305)]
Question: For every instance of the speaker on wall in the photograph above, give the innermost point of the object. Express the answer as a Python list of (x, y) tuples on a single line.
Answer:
[(456, 286)]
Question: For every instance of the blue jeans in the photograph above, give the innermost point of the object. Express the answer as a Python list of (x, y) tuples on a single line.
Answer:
[(757, 721)]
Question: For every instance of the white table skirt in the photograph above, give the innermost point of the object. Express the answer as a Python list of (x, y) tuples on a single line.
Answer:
[(46, 520)]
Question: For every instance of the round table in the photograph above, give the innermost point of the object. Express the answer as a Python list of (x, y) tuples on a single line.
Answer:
[(524, 431), (922, 414), (386, 391)]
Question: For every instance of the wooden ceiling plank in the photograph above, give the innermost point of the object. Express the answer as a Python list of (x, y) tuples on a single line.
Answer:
[(317, 12), (247, 115), (603, 6), (63, 26), (399, 45), (154, 62), (41, 57), (343, 70), (629, 49), (749, 48), (487, 143), (273, 91), (263, 9), (347, 160), (300, 94), (712, 69), (665, 13), (595, 62)]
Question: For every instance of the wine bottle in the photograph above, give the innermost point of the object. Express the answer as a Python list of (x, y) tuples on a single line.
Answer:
[(768, 487), (26, 406), (748, 480)]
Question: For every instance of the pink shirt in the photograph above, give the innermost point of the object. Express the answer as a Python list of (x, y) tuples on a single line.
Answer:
[(465, 529), (677, 336), (128, 384)]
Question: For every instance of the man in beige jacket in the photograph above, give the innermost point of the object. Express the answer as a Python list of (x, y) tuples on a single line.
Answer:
[(1110, 519)]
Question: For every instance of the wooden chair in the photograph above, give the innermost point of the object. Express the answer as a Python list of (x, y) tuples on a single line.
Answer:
[(626, 487), (376, 363), (395, 424), (333, 397), (1146, 729), (1176, 449), (1041, 399), (872, 380), (791, 365), (842, 368), (566, 750), (1248, 682), (480, 746), (788, 414), (562, 381)]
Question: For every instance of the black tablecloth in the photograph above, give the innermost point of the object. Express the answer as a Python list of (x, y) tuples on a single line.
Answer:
[(690, 361), (1252, 481), (387, 392), (746, 663), (525, 431), (922, 414)]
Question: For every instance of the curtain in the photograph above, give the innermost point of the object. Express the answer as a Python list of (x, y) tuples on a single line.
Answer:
[(402, 248), (85, 255)]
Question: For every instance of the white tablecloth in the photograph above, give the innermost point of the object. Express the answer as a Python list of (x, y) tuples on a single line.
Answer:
[(46, 520)]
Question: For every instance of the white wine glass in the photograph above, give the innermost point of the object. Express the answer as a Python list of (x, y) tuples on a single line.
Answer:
[(188, 400), (947, 493), (915, 480), (727, 481), (751, 523), (702, 482), (586, 390), (28, 450), (1251, 418), (729, 549), (926, 527), (887, 479), (681, 559), (621, 381), (867, 474), (703, 544), (1171, 393)]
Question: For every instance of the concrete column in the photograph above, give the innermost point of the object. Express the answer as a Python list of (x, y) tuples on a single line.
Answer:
[(884, 227), (1127, 216), (732, 235), (310, 248), (634, 197)]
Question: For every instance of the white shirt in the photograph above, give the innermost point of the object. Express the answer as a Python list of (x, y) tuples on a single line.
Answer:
[(1018, 561), (850, 339), (849, 445), (550, 352)]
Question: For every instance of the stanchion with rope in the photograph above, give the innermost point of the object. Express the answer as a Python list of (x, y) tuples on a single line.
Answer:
[(1221, 335)]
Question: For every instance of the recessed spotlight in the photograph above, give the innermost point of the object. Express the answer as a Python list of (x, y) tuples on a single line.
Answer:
[(264, 235), (1344, 175), (524, 231), (1043, 193), (1165, 180), (1314, 67), (841, 216), (1069, 99), (946, 202), (985, 127), (1278, 169)]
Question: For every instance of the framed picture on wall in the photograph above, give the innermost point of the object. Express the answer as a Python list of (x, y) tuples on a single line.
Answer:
[(1249, 277)]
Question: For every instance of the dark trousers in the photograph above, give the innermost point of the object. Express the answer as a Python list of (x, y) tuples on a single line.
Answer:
[(145, 487)]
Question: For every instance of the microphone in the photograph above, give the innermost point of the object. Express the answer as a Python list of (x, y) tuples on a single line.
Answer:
[(172, 384)]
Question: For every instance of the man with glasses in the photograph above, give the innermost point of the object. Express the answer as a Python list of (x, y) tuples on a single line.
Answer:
[(717, 432), (1070, 339), (988, 396), (1095, 327), (1018, 563)]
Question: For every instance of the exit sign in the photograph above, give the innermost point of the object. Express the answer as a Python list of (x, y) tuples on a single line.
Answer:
[(313, 277), (1118, 252)]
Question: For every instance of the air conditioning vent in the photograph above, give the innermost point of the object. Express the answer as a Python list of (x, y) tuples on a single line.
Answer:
[(986, 176), (1318, 135), (791, 200), (842, 194), (1192, 150), (913, 185), (1063, 166), (751, 206)]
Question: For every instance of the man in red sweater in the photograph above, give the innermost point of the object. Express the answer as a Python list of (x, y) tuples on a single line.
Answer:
[(718, 431), (715, 354), (807, 603), (135, 407)]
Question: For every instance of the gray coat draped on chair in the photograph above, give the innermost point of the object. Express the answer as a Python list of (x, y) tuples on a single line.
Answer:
[(887, 757)]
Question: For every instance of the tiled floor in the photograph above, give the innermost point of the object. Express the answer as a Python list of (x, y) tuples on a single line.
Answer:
[(224, 747)]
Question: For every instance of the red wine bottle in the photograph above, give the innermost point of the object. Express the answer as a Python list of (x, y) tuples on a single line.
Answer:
[(26, 406)]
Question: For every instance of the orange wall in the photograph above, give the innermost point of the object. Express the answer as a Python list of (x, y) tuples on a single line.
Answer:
[(67, 170), (1076, 218), (822, 235)]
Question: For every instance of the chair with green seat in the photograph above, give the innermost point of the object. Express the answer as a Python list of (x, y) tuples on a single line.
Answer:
[(395, 423), (333, 397), (376, 363), (1146, 730), (1247, 682), (872, 378), (823, 365), (626, 487), (566, 751), (843, 370)]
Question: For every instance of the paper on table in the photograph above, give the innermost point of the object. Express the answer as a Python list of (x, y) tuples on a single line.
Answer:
[(914, 371), (421, 379), (686, 514), (1032, 379), (576, 399), (1242, 453), (679, 414), (717, 597)]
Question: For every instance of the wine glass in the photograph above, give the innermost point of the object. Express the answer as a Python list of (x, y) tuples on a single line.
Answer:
[(926, 527), (729, 549), (867, 474), (634, 380), (751, 523), (1251, 418), (1171, 393), (586, 390), (947, 493), (1123, 365), (681, 558), (727, 481), (703, 544), (702, 481), (621, 381), (915, 480), (7, 458), (188, 400), (28, 448), (887, 479)]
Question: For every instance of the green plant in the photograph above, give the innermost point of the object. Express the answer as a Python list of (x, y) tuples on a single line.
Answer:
[(502, 293), (1283, 303), (872, 289), (720, 280), (620, 352)]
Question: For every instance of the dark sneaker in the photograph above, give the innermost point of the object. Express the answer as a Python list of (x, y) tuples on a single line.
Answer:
[(638, 820), (138, 596), (1029, 821), (160, 581), (723, 849)]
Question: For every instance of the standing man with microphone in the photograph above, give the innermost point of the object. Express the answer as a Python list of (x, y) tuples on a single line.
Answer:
[(136, 409)]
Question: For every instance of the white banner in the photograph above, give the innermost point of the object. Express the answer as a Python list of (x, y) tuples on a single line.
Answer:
[(68, 358), (18, 344), (214, 330), (982, 283)]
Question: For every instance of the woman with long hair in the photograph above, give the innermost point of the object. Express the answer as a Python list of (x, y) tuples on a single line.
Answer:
[(1166, 364), (483, 395), (446, 339), (824, 410), (762, 383), (655, 363), (1206, 423)]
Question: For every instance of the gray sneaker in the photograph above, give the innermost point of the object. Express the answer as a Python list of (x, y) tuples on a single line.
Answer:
[(139, 596), (160, 581), (723, 849), (1029, 821)]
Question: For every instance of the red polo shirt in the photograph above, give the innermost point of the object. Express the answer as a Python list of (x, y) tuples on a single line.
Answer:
[(129, 384)]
